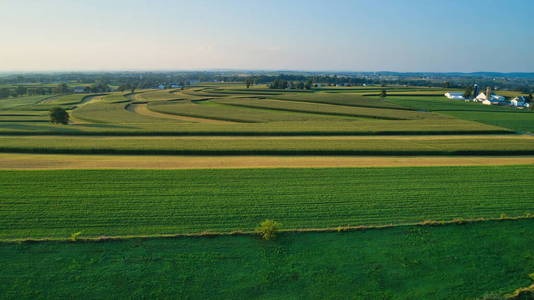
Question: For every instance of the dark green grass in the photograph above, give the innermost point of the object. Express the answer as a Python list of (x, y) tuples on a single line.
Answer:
[(521, 121), (444, 262), (115, 202)]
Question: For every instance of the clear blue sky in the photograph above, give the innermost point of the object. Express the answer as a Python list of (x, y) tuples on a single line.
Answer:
[(358, 35)]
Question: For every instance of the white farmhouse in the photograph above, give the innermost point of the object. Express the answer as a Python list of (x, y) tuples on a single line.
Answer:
[(455, 96)]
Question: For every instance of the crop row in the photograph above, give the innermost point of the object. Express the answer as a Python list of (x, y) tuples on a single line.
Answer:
[(212, 110), (281, 146), (327, 109)]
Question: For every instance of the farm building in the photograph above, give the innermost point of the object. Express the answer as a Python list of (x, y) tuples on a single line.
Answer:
[(494, 99), (520, 101), (455, 96)]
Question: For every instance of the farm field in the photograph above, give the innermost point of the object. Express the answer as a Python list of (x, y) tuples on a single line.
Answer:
[(518, 120), (260, 111), (467, 261), (142, 125), (149, 202), (468, 145), (13, 161), (211, 110), (208, 163), (326, 109)]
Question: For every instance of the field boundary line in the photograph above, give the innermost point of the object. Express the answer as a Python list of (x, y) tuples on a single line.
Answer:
[(425, 223)]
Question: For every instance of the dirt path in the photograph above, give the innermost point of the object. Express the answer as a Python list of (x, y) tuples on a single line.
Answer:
[(59, 161), (142, 109)]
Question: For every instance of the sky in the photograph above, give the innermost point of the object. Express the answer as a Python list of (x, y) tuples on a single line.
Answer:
[(336, 35)]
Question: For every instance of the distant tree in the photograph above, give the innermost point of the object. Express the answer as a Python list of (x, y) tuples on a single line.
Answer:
[(59, 116), (446, 85), (300, 85), (123, 87), (39, 91), (268, 229), (529, 98), (383, 94), (21, 90), (62, 88), (4, 93), (249, 81), (279, 84), (308, 85), (99, 87), (468, 92)]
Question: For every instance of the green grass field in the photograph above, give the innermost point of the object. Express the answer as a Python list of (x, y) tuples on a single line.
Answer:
[(444, 262), (129, 202)]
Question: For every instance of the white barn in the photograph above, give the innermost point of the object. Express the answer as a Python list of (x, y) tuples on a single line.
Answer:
[(455, 96)]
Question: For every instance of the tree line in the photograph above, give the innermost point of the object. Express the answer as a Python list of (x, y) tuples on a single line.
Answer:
[(285, 84), (62, 88)]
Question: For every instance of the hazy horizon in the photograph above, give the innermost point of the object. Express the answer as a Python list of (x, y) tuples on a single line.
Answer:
[(344, 36)]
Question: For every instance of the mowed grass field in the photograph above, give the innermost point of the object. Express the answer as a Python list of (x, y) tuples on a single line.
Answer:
[(467, 261), (145, 202)]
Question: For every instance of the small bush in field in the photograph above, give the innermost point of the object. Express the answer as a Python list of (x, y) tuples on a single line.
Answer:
[(74, 236), (268, 229)]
